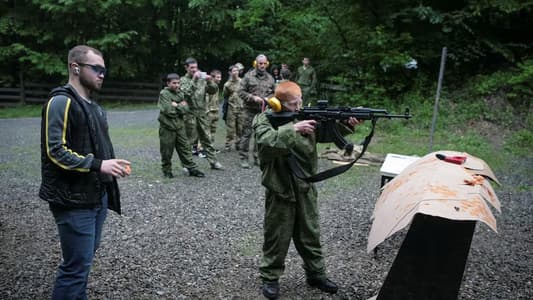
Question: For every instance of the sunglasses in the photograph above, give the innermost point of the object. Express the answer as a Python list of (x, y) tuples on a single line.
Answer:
[(96, 69)]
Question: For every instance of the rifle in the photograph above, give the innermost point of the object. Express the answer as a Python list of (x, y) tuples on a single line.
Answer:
[(327, 129)]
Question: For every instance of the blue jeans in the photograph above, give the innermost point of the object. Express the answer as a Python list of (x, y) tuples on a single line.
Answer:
[(79, 232)]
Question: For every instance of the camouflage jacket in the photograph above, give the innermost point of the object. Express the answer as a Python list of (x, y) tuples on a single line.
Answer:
[(255, 84), (306, 77), (212, 101), (195, 91), (170, 116), (274, 148), (231, 92)]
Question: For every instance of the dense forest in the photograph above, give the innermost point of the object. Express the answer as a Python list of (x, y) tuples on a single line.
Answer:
[(382, 51)]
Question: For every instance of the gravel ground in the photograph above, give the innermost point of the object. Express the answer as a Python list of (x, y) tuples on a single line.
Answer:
[(191, 238)]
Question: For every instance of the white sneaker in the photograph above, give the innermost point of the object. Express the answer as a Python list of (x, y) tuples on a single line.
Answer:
[(216, 166)]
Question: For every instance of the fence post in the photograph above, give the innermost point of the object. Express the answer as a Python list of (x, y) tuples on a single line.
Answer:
[(436, 107), (22, 89)]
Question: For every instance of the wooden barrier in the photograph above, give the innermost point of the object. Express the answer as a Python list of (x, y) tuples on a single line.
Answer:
[(36, 93)]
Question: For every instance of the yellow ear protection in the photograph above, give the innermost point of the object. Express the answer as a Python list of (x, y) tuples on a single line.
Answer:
[(274, 104), (255, 64)]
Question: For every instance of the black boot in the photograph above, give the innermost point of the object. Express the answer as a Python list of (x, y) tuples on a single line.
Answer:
[(323, 284), (196, 173), (168, 174), (271, 289)]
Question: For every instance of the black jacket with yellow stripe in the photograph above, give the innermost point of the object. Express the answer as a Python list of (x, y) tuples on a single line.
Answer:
[(73, 145)]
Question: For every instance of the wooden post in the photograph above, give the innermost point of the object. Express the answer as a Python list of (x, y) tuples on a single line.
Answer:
[(431, 260), (436, 107), (22, 89)]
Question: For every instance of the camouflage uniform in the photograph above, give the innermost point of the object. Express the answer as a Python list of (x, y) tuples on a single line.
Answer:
[(197, 124), (212, 113), (234, 114), (172, 134), (291, 210), (306, 79), (253, 84)]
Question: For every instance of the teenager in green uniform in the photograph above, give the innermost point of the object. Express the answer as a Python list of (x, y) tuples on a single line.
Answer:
[(172, 134), (291, 210), (194, 85), (213, 105), (234, 110), (306, 79)]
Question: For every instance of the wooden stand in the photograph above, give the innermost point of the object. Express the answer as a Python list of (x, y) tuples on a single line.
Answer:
[(431, 260)]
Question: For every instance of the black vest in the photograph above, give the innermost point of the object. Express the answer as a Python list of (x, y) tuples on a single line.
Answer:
[(72, 189)]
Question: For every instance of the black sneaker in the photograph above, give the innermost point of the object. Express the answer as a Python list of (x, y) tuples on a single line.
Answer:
[(168, 175), (271, 289), (196, 173), (323, 284)]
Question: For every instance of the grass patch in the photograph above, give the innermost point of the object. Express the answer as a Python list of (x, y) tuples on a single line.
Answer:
[(127, 106), (34, 110), (21, 111), (520, 142), (134, 136)]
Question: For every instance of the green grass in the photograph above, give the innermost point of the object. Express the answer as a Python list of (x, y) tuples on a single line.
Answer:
[(34, 110), (20, 111)]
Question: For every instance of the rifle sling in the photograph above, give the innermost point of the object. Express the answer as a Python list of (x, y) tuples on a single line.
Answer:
[(297, 170)]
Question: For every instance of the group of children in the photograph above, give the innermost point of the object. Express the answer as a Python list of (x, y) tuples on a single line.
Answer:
[(190, 112)]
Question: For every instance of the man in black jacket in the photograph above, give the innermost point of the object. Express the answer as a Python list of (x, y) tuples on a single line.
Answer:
[(78, 169)]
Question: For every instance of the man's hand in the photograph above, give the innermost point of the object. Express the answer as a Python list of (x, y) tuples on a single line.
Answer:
[(174, 104), (183, 103), (201, 75), (258, 99), (353, 121), (114, 167), (305, 126)]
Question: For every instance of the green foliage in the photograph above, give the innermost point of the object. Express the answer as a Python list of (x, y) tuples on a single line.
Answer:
[(367, 43), (516, 83), (520, 142)]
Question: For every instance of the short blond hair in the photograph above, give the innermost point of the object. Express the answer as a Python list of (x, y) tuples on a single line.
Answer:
[(79, 53)]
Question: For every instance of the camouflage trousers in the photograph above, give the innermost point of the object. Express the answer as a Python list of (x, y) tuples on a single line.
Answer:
[(197, 125), (307, 95), (170, 139), (244, 147), (286, 219), (234, 128), (213, 117)]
